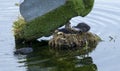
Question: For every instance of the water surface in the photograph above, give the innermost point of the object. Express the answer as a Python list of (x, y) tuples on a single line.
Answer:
[(8, 14)]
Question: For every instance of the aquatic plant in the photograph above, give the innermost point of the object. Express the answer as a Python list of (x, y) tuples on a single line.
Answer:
[(84, 41), (18, 26), (46, 24)]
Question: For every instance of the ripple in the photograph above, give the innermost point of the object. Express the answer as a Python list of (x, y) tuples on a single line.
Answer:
[(104, 20), (110, 17), (104, 17)]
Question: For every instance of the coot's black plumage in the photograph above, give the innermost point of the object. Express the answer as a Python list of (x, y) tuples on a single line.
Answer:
[(64, 30), (82, 27)]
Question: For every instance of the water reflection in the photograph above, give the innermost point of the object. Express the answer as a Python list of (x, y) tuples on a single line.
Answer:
[(45, 59)]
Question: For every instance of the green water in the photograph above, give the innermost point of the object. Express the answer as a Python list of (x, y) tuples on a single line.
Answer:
[(44, 58)]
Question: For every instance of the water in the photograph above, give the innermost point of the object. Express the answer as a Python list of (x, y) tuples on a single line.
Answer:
[(8, 13), (104, 21)]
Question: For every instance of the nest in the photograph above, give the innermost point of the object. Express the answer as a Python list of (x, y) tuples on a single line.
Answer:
[(62, 40)]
